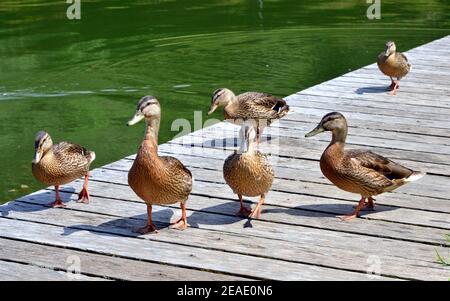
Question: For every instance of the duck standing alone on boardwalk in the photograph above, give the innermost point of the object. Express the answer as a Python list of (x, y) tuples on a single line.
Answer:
[(59, 164), (358, 171), (248, 172), (261, 108), (157, 180), (393, 64)]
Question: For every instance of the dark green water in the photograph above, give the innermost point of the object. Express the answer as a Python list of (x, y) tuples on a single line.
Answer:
[(80, 79)]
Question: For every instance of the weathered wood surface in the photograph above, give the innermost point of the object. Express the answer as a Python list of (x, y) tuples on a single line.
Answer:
[(298, 236)]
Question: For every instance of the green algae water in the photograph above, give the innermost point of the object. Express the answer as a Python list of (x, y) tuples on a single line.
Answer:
[(80, 79)]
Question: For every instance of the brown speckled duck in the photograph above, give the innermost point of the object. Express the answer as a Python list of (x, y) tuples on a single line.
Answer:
[(157, 180), (393, 64), (358, 171), (248, 172), (261, 108), (59, 164)]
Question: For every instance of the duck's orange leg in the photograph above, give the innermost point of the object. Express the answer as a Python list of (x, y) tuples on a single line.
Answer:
[(256, 213), (355, 213), (57, 203), (243, 210), (181, 224), (150, 228), (394, 90), (391, 87), (370, 205), (83, 197)]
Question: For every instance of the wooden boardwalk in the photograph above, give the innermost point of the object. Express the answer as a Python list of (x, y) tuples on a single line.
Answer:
[(298, 236)]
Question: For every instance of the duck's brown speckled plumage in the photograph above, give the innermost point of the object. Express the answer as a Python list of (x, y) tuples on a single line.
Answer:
[(63, 163), (392, 63), (159, 180), (255, 105), (155, 179), (361, 171), (395, 65), (248, 174), (261, 108), (358, 171)]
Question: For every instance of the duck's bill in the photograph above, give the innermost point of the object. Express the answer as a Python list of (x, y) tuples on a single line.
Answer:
[(37, 157), (212, 108), (319, 129), (136, 118)]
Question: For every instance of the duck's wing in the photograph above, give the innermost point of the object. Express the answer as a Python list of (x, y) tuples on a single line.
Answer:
[(262, 105), (73, 155), (403, 62), (175, 165), (376, 165)]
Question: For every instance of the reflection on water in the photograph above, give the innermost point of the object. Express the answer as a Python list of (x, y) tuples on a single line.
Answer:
[(80, 80)]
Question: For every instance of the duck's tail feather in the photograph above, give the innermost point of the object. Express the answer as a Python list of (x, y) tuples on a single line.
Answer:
[(416, 175)]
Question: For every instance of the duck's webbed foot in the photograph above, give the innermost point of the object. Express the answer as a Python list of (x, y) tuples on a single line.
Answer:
[(181, 224), (57, 204), (83, 196), (256, 213), (355, 213), (150, 228), (244, 211), (394, 86)]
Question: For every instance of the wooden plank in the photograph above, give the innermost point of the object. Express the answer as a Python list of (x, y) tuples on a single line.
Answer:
[(431, 185), (297, 236), (298, 132), (313, 148), (166, 253), (298, 215), (288, 181), (406, 97), (311, 251), (100, 265), (381, 83), (289, 128), (411, 79), (13, 271), (379, 108), (316, 193)]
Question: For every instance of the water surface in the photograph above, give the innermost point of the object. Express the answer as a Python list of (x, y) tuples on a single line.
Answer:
[(80, 80)]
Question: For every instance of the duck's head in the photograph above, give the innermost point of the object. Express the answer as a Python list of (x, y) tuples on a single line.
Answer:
[(247, 135), (148, 108), (331, 122), (42, 143), (220, 97), (390, 48)]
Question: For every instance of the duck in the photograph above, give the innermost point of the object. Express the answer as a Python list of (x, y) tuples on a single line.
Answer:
[(393, 64), (61, 163), (260, 108), (248, 172), (158, 180), (358, 171)]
